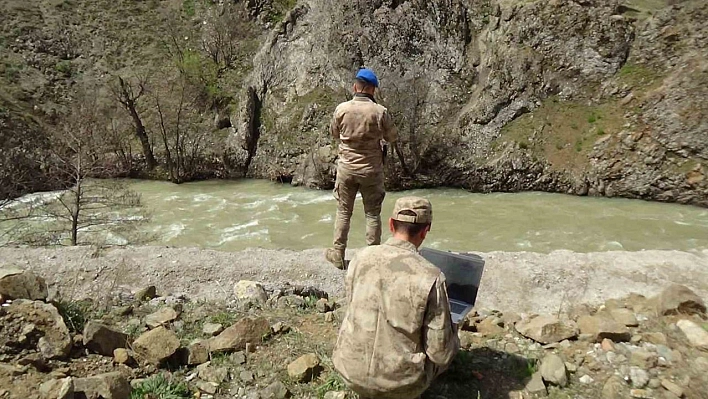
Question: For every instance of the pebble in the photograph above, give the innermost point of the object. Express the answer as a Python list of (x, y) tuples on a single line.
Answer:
[(639, 377), (586, 379)]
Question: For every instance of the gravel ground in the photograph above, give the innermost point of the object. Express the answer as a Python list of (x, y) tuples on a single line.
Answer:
[(520, 282)]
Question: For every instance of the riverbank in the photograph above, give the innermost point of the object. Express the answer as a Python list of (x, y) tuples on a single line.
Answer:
[(517, 281)]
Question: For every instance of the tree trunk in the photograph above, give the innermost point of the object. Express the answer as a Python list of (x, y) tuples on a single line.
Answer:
[(142, 136)]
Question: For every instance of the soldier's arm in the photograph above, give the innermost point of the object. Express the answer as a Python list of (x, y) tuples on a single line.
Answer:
[(334, 125), (390, 133), (439, 335)]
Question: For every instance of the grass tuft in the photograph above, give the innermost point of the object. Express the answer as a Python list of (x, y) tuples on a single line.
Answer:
[(160, 387), (75, 314)]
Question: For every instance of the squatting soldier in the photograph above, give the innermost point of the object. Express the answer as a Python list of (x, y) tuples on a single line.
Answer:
[(361, 125), (397, 334)]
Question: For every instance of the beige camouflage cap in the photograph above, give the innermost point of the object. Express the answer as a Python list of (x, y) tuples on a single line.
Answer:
[(421, 207)]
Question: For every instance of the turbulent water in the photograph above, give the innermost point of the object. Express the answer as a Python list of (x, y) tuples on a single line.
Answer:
[(249, 213)]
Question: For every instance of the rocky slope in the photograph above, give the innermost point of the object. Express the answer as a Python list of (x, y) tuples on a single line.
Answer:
[(591, 97)]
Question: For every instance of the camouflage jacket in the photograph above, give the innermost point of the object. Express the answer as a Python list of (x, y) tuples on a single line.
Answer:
[(397, 334), (360, 125)]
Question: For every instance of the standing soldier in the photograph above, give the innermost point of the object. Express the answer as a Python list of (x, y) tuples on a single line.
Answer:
[(362, 126)]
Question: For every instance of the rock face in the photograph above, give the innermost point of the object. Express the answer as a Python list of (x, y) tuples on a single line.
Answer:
[(16, 283), (547, 329), (304, 368), (102, 339), (103, 386), (42, 326), (599, 327), (156, 346), (238, 335), (679, 299)]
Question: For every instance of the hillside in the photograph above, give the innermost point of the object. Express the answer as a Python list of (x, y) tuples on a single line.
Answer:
[(590, 97)]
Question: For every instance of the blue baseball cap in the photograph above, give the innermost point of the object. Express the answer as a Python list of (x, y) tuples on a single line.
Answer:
[(368, 76)]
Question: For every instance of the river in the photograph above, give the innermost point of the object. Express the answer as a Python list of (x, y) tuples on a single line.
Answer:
[(233, 215)]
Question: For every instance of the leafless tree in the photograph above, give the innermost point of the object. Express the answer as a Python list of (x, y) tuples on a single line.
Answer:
[(224, 30), (129, 94)]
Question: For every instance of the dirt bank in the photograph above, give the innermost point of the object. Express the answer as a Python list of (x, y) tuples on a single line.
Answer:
[(523, 282)]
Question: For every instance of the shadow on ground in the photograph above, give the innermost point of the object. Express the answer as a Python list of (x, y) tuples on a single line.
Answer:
[(482, 373)]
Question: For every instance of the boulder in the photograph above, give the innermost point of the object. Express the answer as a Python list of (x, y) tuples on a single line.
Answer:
[(121, 356), (679, 299), (58, 389), (535, 386), (304, 368), (697, 336), (207, 387), (672, 387), (644, 359), (49, 332), (16, 283), (599, 327), (161, 317), (553, 370), (156, 346), (146, 294), (547, 329), (614, 388), (234, 338), (209, 373), (491, 326), (212, 329), (197, 353), (625, 317), (246, 290), (103, 386), (655, 338), (276, 390), (639, 377), (102, 339)]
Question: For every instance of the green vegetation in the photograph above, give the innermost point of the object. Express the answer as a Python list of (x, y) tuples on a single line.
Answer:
[(637, 75), (160, 387), (64, 67), (75, 314), (188, 7), (225, 318), (333, 382)]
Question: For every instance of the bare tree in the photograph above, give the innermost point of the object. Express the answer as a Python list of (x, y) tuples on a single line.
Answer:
[(224, 30), (128, 94)]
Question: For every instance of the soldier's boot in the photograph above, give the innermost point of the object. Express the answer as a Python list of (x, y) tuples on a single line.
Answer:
[(335, 257)]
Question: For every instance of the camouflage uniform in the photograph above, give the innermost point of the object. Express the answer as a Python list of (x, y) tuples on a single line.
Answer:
[(360, 125), (397, 334)]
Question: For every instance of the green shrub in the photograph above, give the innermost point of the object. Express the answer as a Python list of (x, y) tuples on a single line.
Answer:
[(159, 387), (188, 8), (75, 314), (64, 67), (592, 118)]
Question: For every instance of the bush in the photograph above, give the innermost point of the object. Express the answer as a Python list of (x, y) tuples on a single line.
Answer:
[(74, 313), (64, 67), (159, 387)]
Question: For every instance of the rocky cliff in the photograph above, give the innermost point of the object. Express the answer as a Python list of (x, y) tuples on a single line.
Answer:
[(590, 97), (586, 97)]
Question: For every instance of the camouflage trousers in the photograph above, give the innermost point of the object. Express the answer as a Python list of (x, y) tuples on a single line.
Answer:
[(372, 191)]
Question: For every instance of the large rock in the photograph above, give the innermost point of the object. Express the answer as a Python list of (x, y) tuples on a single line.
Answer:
[(197, 353), (535, 386), (161, 317), (253, 291), (102, 339), (547, 329), (553, 370), (614, 388), (304, 368), (625, 317), (103, 386), (156, 346), (276, 390), (600, 327), (53, 341), (697, 336), (16, 283), (58, 389), (678, 299), (238, 335)]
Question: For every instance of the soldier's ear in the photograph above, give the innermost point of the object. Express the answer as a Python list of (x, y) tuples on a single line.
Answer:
[(390, 225)]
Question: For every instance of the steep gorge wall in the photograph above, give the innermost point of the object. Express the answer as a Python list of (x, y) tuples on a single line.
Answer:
[(464, 80)]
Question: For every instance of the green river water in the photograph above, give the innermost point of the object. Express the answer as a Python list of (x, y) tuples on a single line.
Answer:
[(233, 215)]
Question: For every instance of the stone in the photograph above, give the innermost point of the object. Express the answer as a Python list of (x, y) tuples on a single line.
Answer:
[(234, 338), (639, 377), (553, 370), (209, 373), (601, 327), (146, 294), (197, 353), (246, 376), (291, 301), (654, 383), (679, 299), (335, 395), (207, 387), (123, 310), (329, 317), (322, 305), (490, 326), (276, 390), (252, 291), (156, 346), (625, 317), (16, 283), (586, 379), (121, 356), (58, 389), (607, 345), (614, 388), (101, 339), (212, 329), (161, 317), (535, 386), (636, 339), (279, 328), (643, 359), (655, 338), (106, 386), (640, 393), (304, 368), (238, 357), (697, 336), (672, 387), (54, 341), (511, 347), (547, 329)]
